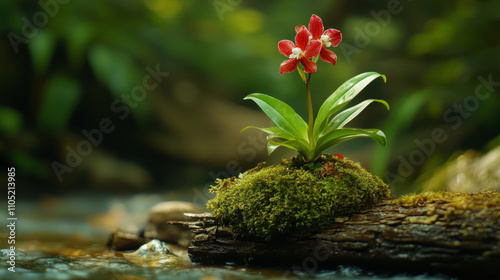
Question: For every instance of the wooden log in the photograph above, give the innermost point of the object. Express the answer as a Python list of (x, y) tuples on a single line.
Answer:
[(456, 234)]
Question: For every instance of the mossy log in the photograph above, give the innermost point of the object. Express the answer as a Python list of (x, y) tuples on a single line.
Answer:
[(433, 232)]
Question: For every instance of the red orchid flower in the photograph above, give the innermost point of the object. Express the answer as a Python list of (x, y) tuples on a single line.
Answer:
[(302, 52), (331, 37)]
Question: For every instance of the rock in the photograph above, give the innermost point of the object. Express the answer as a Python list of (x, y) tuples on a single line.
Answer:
[(154, 247), (163, 212), (469, 172), (123, 241), (155, 253)]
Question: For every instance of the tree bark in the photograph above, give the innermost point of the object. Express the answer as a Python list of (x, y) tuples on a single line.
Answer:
[(453, 234)]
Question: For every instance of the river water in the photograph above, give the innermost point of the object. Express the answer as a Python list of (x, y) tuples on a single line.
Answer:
[(65, 237)]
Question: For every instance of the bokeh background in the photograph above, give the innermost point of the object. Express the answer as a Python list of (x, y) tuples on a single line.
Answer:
[(70, 69)]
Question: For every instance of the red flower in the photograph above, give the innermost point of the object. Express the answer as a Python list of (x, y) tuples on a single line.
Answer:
[(301, 52), (339, 156), (331, 37)]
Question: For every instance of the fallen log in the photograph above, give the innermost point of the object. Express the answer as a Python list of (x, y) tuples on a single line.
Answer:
[(456, 234)]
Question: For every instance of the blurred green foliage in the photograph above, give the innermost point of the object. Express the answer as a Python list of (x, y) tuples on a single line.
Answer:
[(59, 100), (65, 62)]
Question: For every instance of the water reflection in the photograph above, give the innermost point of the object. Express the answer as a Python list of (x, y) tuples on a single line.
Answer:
[(61, 242)]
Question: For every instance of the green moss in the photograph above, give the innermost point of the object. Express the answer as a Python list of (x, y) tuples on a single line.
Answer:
[(484, 198), (268, 202), (474, 214)]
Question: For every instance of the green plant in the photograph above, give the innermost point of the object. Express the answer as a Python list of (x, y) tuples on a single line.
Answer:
[(327, 130)]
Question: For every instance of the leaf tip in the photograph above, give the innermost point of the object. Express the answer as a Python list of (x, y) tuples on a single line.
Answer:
[(251, 96), (387, 105)]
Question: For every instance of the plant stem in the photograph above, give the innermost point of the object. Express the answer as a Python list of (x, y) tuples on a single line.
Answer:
[(311, 116)]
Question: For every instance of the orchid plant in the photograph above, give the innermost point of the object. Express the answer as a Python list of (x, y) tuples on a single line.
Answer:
[(312, 138)]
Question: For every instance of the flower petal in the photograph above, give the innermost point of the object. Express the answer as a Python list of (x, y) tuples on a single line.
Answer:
[(309, 65), (285, 47), (339, 156), (302, 38), (312, 49), (288, 65), (316, 27), (335, 36), (328, 56), (297, 28)]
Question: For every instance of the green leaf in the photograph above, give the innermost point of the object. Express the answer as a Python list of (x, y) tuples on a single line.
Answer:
[(289, 140), (291, 144), (347, 115), (11, 122), (345, 93), (273, 132), (118, 71), (398, 122), (27, 163), (41, 48), (115, 69), (78, 35), (281, 114), (60, 99), (337, 136)]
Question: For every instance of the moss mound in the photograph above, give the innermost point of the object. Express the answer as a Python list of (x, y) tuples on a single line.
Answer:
[(268, 202)]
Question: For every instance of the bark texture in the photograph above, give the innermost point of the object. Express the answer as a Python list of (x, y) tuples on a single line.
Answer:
[(456, 234)]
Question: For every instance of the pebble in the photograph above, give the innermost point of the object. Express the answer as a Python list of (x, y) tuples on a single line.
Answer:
[(163, 212), (155, 253)]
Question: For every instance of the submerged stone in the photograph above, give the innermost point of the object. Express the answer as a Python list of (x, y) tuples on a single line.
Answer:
[(155, 253), (269, 202), (153, 248), (157, 226)]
